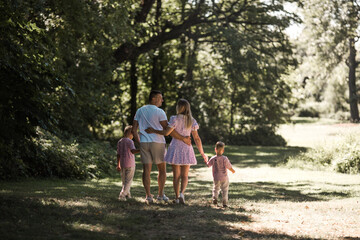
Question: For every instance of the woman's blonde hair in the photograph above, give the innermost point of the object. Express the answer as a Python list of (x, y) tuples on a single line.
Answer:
[(183, 107)]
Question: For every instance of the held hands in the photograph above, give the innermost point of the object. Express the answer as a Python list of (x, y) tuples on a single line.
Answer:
[(205, 157), (150, 130)]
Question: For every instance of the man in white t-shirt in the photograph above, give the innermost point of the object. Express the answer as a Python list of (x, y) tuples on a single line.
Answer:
[(152, 146)]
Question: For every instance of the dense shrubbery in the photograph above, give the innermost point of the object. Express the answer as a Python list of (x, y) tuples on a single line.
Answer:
[(343, 157), (50, 156), (349, 162), (259, 136), (308, 112)]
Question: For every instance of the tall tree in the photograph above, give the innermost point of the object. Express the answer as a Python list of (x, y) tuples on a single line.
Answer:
[(198, 22), (333, 27), (55, 71)]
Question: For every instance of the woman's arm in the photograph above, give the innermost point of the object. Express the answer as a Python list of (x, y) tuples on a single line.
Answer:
[(199, 144)]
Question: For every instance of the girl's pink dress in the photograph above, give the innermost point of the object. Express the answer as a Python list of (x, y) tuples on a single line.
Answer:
[(178, 152)]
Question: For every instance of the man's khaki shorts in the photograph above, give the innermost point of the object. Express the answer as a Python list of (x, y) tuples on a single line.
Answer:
[(152, 152)]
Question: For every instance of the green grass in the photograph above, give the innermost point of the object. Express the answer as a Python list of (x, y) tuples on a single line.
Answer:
[(309, 120), (267, 200), (259, 190)]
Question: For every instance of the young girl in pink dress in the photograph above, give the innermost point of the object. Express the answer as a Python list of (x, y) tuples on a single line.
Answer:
[(126, 162), (180, 155)]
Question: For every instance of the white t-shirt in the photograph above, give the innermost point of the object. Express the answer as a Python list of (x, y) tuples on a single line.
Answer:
[(150, 116)]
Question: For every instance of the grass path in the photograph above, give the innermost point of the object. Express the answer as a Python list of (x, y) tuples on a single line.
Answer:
[(266, 202)]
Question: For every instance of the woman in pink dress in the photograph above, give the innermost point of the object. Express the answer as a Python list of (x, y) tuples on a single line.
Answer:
[(180, 155)]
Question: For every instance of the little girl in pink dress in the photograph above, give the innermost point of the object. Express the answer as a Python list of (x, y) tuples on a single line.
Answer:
[(179, 154)]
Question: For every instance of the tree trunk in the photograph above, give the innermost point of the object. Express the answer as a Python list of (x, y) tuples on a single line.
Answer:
[(156, 73), (232, 112), (133, 89), (354, 111), (182, 59)]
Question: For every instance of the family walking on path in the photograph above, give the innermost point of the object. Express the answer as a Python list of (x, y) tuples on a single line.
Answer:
[(150, 122)]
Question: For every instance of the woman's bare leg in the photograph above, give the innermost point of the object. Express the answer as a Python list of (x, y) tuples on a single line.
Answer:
[(184, 177), (176, 179)]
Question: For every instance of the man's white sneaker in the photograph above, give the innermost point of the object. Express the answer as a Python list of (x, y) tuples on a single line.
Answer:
[(182, 198), (163, 198)]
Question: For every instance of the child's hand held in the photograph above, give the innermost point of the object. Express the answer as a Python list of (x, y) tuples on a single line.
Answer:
[(205, 157)]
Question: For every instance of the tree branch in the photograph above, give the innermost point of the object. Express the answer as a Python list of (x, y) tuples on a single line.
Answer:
[(145, 9), (129, 51)]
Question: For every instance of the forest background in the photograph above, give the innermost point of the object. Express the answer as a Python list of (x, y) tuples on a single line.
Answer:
[(73, 73)]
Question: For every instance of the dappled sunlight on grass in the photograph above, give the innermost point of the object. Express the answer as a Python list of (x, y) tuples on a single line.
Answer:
[(313, 135), (256, 209), (89, 227), (266, 201)]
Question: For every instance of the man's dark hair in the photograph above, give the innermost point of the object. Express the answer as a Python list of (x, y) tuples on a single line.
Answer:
[(153, 93)]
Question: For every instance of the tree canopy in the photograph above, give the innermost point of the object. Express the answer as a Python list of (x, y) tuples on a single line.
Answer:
[(82, 68), (327, 53)]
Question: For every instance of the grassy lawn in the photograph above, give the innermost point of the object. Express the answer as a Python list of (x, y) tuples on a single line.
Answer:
[(266, 201)]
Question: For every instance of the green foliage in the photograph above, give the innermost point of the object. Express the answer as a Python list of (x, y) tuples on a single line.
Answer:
[(343, 157), (308, 112), (228, 65), (259, 136), (27, 81), (349, 163), (322, 78), (51, 156), (58, 74)]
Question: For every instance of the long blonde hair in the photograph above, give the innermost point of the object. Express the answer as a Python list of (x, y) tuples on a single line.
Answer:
[(183, 107)]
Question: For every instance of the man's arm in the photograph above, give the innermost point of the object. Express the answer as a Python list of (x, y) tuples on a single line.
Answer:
[(135, 131), (175, 134), (164, 132)]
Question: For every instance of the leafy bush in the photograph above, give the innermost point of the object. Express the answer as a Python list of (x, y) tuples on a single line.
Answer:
[(51, 156), (259, 136), (308, 112), (350, 163), (343, 157), (255, 136)]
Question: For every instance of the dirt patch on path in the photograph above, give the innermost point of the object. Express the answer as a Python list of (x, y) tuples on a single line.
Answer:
[(336, 219)]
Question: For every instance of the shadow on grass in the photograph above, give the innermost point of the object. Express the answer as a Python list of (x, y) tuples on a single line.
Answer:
[(90, 210), (268, 191), (254, 156)]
